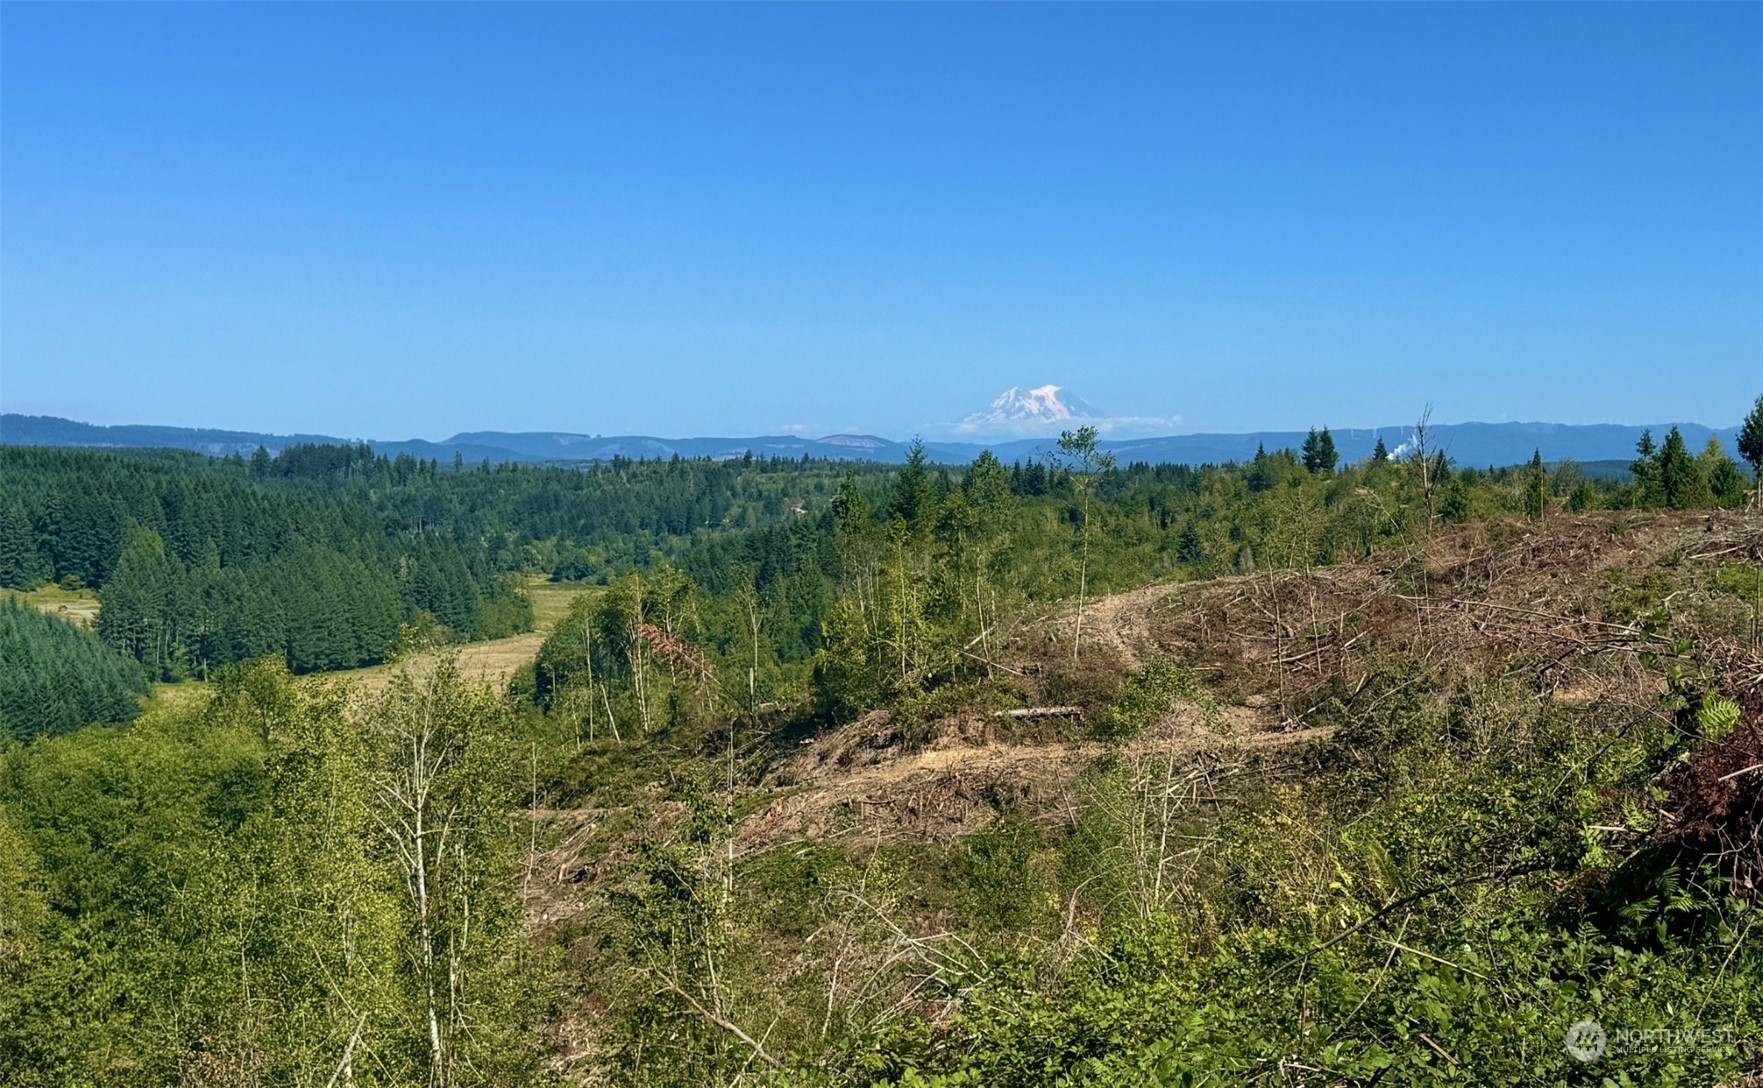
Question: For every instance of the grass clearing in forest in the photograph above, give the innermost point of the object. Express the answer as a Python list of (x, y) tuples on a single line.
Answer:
[(492, 662), (74, 605), (179, 698), (551, 600)]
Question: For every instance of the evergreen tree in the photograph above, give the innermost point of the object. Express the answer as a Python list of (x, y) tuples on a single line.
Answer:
[(1750, 441), (1644, 469), (1680, 478), (913, 499), (56, 677), (138, 605), (1379, 454), (1584, 496), (986, 484), (1726, 484), (1319, 454), (1536, 485), (1259, 478), (22, 565)]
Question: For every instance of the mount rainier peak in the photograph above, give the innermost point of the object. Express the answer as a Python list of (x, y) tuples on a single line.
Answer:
[(1043, 404)]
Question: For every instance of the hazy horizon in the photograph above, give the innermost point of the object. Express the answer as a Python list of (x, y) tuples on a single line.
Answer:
[(975, 438)]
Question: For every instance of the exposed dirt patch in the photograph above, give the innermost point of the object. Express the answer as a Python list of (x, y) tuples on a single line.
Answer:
[(1560, 614), (954, 789), (1570, 600)]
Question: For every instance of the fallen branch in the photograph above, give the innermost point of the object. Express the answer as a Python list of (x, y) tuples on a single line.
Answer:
[(726, 1025), (1039, 712), (1438, 1049)]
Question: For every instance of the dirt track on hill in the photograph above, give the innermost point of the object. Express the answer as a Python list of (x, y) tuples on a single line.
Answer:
[(956, 789)]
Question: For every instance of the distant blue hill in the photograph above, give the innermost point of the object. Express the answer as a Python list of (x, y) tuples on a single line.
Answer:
[(1478, 444), (20, 430), (556, 446)]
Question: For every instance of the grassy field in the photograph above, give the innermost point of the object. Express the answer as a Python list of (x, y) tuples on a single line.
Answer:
[(176, 697), (77, 605), (551, 600), (492, 662)]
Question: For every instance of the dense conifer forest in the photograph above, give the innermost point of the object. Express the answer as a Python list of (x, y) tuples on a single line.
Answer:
[(1054, 772), (55, 677)]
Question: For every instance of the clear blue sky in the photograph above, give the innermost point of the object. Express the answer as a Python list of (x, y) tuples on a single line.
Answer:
[(407, 220)]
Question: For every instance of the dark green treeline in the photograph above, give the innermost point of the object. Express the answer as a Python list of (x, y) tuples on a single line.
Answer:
[(55, 677)]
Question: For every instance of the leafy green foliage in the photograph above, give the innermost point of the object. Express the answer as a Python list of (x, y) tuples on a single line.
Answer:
[(1000, 889), (1716, 717), (1145, 698), (1743, 579), (1412, 933), (232, 894)]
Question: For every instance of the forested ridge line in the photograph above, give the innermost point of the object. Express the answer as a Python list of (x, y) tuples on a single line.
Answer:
[(332, 557), (324, 554)]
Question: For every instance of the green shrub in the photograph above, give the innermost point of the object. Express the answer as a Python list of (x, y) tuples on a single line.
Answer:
[(1144, 699)]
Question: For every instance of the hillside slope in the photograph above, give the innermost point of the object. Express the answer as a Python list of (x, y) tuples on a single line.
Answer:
[(1338, 703), (1566, 605)]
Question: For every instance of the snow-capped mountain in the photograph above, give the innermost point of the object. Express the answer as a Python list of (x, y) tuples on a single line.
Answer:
[(1017, 407)]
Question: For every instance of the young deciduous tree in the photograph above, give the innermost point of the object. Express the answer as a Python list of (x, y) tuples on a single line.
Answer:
[(447, 778), (1078, 453), (1422, 460), (986, 488)]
